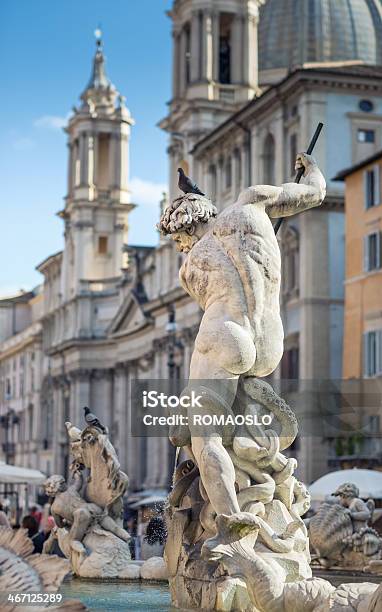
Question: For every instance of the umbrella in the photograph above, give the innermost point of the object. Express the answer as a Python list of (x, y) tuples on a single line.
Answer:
[(369, 483), (13, 474)]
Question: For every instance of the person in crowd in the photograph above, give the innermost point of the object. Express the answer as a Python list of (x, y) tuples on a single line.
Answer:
[(36, 513), (4, 522), (38, 537)]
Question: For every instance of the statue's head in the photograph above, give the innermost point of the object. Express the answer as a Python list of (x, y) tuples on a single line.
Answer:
[(54, 484), (346, 492), (186, 219)]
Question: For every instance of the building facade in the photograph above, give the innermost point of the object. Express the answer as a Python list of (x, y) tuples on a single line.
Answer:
[(108, 312), (362, 348)]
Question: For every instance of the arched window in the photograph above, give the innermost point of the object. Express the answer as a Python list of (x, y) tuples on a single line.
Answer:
[(269, 160), (290, 258), (212, 181)]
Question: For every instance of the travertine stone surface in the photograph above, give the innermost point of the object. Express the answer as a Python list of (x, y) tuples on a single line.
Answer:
[(340, 533), (234, 513), (88, 511)]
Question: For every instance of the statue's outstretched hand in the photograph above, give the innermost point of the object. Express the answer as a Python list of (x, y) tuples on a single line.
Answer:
[(303, 160)]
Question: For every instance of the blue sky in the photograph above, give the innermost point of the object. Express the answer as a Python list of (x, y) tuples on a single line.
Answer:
[(46, 48)]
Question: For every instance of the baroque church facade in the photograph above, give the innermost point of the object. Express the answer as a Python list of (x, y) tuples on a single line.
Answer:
[(251, 80)]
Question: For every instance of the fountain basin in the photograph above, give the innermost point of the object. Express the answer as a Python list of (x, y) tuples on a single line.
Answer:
[(109, 595)]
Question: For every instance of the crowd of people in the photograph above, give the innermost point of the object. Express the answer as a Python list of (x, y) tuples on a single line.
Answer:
[(148, 535)]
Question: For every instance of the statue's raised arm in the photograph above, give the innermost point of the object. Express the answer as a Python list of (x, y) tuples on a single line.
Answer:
[(290, 198)]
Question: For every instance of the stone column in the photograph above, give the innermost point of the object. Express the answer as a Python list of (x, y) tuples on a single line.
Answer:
[(81, 156), (175, 63), (195, 47), (91, 160), (119, 430), (80, 396), (236, 180), (114, 161), (215, 45), (207, 47), (182, 62), (84, 153), (250, 67), (70, 168), (95, 159), (219, 181), (314, 332), (124, 162)]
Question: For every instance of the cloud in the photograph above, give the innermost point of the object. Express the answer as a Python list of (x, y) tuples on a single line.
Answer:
[(52, 122), (23, 144), (146, 192)]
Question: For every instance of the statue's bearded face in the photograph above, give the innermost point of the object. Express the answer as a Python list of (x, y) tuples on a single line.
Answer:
[(184, 241)]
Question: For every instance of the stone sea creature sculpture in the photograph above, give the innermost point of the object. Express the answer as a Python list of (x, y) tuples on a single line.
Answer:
[(21, 571), (88, 510), (340, 534), (270, 591)]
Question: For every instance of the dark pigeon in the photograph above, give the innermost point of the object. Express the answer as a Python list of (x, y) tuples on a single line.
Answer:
[(92, 420), (186, 185)]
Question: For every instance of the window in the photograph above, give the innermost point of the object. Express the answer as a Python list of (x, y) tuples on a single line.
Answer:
[(228, 172), (372, 252), (290, 364), (366, 106), (372, 358), (366, 135), (269, 160), (102, 245), (290, 263), (225, 48), (372, 187), (8, 390)]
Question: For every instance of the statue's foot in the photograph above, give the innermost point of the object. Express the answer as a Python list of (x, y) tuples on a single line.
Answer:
[(77, 546), (231, 529)]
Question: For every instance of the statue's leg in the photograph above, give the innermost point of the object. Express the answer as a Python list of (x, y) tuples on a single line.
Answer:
[(110, 525), (82, 519), (209, 368)]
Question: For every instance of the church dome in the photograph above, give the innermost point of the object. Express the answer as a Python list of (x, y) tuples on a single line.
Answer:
[(295, 32)]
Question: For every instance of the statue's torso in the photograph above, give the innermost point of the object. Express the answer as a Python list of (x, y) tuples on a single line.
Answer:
[(237, 265), (239, 253)]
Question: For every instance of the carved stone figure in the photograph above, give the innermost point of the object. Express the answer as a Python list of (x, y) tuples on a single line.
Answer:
[(88, 511), (340, 533), (236, 539)]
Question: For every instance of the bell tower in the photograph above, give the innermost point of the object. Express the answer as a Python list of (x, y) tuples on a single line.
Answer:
[(98, 197), (215, 71)]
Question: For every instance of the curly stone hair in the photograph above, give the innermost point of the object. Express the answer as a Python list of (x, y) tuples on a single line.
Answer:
[(184, 213), (347, 489), (54, 484)]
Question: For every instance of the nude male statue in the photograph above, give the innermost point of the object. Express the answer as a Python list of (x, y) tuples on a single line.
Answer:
[(70, 509), (233, 271)]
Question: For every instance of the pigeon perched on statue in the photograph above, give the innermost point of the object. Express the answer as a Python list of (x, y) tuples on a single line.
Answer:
[(92, 420), (186, 185)]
